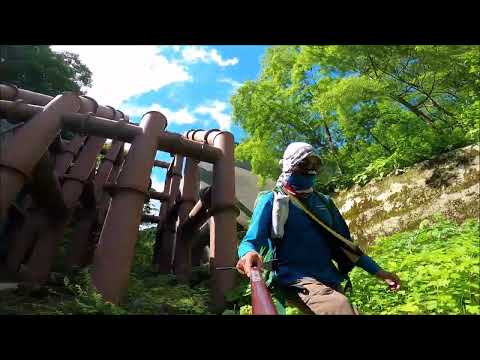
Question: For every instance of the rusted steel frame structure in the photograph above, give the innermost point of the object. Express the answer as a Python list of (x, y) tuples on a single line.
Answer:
[(16, 168), (112, 260), (51, 232), (115, 250), (162, 215), (223, 237), (31, 143), (104, 201), (39, 132), (47, 185), (83, 241), (98, 126), (39, 264), (44, 202)]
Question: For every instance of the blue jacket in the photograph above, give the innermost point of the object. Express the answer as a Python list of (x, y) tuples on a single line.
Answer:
[(304, 250)]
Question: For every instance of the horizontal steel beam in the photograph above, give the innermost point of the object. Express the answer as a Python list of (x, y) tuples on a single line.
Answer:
[(162, 164), (118, 130)]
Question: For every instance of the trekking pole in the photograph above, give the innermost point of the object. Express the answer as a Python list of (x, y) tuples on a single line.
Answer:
[(262, 303)]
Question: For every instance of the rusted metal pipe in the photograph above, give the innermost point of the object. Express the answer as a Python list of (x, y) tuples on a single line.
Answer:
[(150, 218), (63, 161), (115, 250), (223, 237), (87, 105), (189, 189), (81, 243), (46, 189), (178, 144), (81, 248), (85, 237), (57, 146), (74, 182), (161, 196), (162, 164), (262, 303), (11, 92), (31, 141), (23, 240), (168, 228), (82, 123), (105, 199), (98, 126), (162, 215), (102, 208)]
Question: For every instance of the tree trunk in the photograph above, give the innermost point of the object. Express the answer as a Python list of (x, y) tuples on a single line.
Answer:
[(329, 138), (332, 146)]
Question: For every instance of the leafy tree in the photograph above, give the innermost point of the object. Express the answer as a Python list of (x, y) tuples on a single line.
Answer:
[(366, 109), (37, 68)]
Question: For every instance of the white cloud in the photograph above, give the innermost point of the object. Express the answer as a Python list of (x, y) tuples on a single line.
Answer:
[(120, 72), (157, 185), (198, 53), (216, 111), (182, 116), (235, 84)]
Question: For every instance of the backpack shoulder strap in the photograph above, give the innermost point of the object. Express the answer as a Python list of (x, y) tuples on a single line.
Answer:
[(344, 241)]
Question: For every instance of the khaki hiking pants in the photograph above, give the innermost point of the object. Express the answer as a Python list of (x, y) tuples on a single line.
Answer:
[(322, 299)]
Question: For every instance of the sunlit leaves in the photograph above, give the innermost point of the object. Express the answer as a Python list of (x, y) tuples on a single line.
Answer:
[(368, 109), (439, 268)]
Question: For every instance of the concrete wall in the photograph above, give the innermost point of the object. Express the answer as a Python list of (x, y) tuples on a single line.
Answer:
[(447, 185)]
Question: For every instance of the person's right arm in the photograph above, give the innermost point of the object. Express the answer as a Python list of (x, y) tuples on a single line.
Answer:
[(257, 236)]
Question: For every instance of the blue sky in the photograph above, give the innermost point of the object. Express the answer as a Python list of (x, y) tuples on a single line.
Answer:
[(191, 85)]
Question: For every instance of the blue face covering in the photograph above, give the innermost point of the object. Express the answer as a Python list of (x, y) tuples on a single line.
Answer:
[(301, 182)]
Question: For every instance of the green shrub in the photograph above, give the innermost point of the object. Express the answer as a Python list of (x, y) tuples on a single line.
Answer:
[(437, 263), (439, 268)]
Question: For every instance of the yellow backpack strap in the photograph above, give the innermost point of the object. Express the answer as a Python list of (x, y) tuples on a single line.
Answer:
[(351, 246)]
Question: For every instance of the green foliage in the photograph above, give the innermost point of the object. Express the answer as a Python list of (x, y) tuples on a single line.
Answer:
[(368, 110), (86, 301), (437, 263), (148, 293), (439, 268), (37, 68)]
